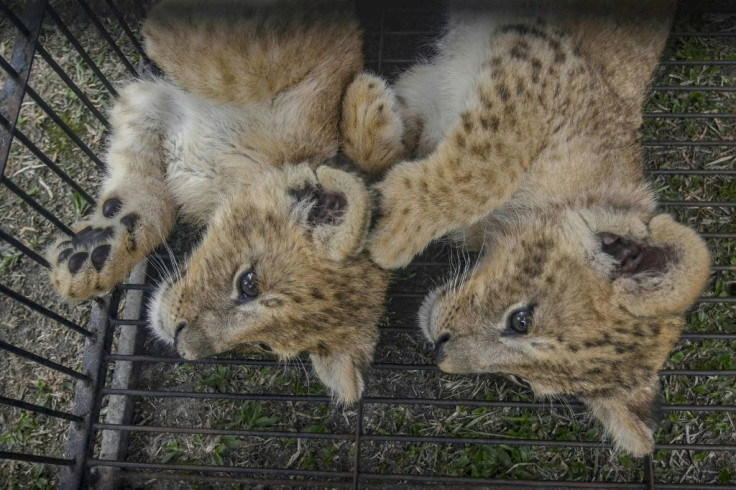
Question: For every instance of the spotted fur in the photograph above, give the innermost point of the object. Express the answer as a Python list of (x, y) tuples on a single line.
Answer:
[(238, 138), (525, 131)]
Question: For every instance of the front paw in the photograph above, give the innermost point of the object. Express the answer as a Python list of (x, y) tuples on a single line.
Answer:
[(99, 255), (403, 230)]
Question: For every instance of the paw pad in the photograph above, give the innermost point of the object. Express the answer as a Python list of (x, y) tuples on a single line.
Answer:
[(99, 256), (76, 261), (90, 236), (64, 254), (111, 207), (130, 221)]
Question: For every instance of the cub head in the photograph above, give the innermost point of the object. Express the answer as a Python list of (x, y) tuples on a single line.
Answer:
[(585, 303), (281, 268)]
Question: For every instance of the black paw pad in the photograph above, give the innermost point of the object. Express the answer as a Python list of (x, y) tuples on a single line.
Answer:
[(65, 244), (130, 221), (111, 207), (64, 254), (76, 261), (99, 256), (89, 236)]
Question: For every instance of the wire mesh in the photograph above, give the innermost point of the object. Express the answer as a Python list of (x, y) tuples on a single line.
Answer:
[(252, 420)]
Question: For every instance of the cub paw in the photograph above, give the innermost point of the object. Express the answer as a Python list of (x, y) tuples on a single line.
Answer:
[(404, 228), (99, 255), (371, 127)]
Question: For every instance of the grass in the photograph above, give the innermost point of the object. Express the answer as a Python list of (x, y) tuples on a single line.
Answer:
[(26, 432), (19, 430)]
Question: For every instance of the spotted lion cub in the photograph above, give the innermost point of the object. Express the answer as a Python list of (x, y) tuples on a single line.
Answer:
[(525, 129), (234, 140)]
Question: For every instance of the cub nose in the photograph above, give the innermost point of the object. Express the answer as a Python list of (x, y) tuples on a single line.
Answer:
[(439, 344)]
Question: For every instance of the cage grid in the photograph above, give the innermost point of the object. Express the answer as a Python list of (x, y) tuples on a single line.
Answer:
[(130, 392)]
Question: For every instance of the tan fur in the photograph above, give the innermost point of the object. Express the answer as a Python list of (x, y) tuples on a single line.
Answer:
[(541, 172), (238, 143)]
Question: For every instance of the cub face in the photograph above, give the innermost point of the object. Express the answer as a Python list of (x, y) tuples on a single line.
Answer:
[(281, 269), (587, 303)]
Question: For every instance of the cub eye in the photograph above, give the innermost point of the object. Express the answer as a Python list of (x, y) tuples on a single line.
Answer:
[(521, 320), (248, 285)]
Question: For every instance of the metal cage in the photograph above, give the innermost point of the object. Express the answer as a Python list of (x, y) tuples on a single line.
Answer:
[(142, 417)]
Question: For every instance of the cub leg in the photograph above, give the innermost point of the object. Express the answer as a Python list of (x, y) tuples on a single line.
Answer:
[(480, 163), (134, 213), (370, 127)]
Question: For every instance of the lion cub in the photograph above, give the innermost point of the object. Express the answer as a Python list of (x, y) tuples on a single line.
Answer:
[(234, 140), (525, 129)]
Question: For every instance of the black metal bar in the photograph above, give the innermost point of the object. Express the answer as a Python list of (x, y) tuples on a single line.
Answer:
[(138, 322), (216, 396), (223, 432), (649, 144), (726, 236), (262, 481), (697, 63), (683, 171), (409, 61), (78, 47), (135, 287), (87, 398), (35, 205), (220, 469), (39, 409), (106, 35), (689, 115), (64, 127), (729, 299), (126, 29), (43, 361), (380, 43), (699, 204), (14, 19), (48, 162), (648, 472), (32, 458), (44, 311), (19, 70), (708, 336), (72, 86), (465, 482), (699, 372), (26, 251), (358, 435), (532, 442)]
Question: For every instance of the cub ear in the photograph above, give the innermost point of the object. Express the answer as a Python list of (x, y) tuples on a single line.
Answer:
[(630, 417), (338, 212), (660, 275), (342, 375)]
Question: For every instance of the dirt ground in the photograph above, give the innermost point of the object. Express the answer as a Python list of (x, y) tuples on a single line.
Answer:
[(228, 386)]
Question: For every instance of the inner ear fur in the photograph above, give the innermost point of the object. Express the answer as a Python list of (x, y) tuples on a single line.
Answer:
[(663, 276), (340, 213), (630, 416)]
